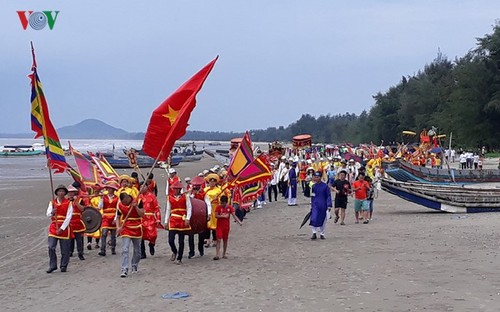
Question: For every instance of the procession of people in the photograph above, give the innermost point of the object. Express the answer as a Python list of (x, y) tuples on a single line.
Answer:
[(131, 210)]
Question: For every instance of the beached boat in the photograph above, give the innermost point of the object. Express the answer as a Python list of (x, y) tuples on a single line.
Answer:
[(221, 158), (448, 198), (404, 171), (123, 162), (19, 150), (188, 152)]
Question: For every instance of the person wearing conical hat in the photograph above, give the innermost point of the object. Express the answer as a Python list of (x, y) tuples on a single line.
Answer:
[(177, 217), (108, 204), (126, 186), (213, 191), (60, 211)]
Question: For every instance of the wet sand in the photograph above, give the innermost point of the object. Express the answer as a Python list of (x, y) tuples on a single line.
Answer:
[(409, 258)]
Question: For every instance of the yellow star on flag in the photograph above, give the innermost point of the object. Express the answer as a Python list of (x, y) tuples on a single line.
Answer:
[(171, 115)]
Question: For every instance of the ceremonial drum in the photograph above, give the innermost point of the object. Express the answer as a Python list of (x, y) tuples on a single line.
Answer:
[(199, 216), (92, 219), (302, 141)]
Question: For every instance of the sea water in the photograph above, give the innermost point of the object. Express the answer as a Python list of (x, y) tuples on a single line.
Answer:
[(35, 167)]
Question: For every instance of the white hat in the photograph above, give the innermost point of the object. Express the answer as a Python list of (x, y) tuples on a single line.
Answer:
[(205, 171), (329, 158), (321, 158), (309, 161), (187, 179), (283, 157), (171, 170)]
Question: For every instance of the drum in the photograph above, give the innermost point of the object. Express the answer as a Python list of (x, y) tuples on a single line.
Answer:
[(302, 141), (198, 220), (92, 219)]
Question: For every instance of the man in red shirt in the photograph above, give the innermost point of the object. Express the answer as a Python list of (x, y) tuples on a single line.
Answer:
[(222, 213), (361, 188)]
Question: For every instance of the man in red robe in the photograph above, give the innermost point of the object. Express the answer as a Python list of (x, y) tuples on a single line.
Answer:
[(108, 204), (130, 230), (150, 220), (177, 216), (59, 210)]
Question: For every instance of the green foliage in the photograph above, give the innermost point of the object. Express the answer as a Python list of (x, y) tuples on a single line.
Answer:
[(462, 97)]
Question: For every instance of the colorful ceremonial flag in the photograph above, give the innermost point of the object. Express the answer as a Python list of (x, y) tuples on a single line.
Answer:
[(241, 159), (169, 121), (249, 192), (87, 170), (104, 168), (257, 170), (41, 124), (77, 177)]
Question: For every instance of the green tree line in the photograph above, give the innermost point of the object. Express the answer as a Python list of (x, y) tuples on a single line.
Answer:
[(460, 97)]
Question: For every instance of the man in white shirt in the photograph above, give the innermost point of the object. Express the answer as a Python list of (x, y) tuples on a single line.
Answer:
[(60, 211), (273, 184)]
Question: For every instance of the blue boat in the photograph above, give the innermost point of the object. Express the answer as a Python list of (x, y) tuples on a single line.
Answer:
[(405, 172), (448, 198), (19, 150)]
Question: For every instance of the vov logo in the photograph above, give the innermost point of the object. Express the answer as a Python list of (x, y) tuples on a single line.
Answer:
[(38, 20)]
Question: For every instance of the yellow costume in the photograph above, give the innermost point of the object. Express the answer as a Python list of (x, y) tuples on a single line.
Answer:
[(213, 194)]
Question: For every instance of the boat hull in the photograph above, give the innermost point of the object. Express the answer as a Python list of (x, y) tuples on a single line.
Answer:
[(20, 154), (450, 199), (403, 171)]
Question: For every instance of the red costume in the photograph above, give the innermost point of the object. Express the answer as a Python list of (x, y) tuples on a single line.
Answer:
[(132, 227), (109, 212), (151, 216), (178, 213), (61, 209), (302, 172), (172, 181), (222, 231), (76, 223)]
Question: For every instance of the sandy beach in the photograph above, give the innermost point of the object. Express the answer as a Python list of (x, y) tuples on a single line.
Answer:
[(409, 258)]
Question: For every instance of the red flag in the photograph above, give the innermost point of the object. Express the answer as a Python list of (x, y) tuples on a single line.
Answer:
[(169, 121)]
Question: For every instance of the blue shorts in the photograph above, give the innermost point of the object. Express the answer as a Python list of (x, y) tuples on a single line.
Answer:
[(361, 204)]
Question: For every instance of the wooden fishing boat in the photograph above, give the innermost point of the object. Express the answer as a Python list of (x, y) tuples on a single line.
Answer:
[(404, 171), (123, 162), (19, 150), (448, 198)]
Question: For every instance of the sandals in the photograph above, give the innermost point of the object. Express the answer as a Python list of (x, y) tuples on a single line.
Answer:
[(342, 223), (224, 257), (336, 219), (173, 257), (216, 258)]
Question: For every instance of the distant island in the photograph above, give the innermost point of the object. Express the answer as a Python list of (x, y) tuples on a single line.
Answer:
[(97, 129)]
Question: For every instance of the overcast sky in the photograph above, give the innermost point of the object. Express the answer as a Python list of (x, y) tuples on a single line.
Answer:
[(117, 60)]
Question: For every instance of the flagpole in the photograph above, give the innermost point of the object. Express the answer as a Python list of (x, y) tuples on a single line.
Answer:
[(45, 141)]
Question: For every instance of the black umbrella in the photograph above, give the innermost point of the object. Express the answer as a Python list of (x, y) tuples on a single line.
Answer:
[(306, 218)]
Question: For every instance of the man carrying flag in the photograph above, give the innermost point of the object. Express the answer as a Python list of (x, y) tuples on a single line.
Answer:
[(60, 209)]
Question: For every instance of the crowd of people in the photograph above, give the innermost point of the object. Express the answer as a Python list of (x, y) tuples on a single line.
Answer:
[(318, 180), (131, 209)]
